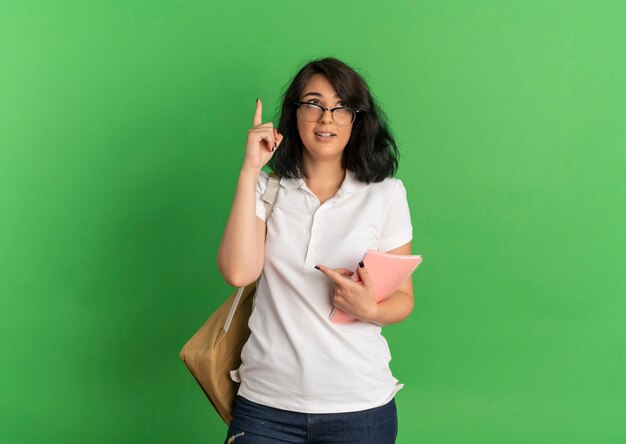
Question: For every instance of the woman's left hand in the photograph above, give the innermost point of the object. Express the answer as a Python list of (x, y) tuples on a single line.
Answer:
[(353, 297)]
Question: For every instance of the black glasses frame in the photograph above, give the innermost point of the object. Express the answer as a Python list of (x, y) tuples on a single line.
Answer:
[(332, 110)]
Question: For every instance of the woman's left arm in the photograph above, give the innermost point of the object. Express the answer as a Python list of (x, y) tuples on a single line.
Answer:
[(357, 298), (399, 305)]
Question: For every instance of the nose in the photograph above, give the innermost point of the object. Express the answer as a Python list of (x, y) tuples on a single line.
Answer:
[(328, 119)]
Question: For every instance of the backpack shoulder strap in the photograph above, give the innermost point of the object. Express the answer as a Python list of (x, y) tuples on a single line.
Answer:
[(269, 195)]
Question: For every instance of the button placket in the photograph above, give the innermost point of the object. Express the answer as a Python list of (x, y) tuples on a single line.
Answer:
[(310, 250)]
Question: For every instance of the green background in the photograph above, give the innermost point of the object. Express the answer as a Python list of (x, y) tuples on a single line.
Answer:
[(122, 130)]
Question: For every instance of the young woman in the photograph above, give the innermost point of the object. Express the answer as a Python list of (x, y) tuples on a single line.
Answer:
[(303, 378)]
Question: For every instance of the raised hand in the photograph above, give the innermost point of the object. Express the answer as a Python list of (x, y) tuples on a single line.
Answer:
[(263, 140)]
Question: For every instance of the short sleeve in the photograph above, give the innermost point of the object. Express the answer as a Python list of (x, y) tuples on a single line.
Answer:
[(397, 229), (261, 185)]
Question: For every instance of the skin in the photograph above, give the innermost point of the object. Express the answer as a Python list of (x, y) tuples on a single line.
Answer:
[(320, 154), (357, 298), (322, 162)]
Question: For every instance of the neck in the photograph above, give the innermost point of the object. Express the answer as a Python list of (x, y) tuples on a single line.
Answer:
[(324, 175)]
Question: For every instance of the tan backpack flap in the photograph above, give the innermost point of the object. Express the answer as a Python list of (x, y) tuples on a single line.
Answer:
[(210, 354), (215, 349)]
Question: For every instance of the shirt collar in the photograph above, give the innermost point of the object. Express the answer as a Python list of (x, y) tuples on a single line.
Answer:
[(350, 183), (291, 183)]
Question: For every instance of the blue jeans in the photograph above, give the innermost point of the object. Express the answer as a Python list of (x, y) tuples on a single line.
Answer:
[(260, 424)]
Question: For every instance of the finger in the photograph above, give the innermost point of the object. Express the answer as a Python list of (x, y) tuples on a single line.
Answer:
[(344, 272), (364, 275), (279, 137), (258, 113), (274, 137), (337, 278), (265, 135), (269, 138), (338, 301)]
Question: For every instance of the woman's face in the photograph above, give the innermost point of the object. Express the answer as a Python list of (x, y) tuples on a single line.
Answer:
[(322, 147)]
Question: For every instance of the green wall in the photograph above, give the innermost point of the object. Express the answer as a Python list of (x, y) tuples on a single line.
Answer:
[(122, 130)]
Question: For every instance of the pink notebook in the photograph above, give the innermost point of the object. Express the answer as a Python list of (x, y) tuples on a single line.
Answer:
[(387, 271)]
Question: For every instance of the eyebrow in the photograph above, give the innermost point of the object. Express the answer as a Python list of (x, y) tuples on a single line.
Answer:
[(313, 93)]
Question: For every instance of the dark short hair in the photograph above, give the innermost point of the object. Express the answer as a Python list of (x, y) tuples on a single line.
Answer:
[(371, 152)]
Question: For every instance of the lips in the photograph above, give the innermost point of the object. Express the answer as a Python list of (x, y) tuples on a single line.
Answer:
[(325, 134)]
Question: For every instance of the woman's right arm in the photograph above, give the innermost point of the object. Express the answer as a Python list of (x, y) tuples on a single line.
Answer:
[(242, 249)]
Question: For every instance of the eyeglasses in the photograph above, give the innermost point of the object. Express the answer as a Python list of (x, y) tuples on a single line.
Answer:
[(312, 112)]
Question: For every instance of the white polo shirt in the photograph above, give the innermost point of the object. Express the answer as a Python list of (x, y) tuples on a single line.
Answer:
[(295, 358)]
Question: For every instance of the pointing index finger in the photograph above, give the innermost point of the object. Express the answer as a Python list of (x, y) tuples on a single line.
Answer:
[(257, 113), (334, 276)]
